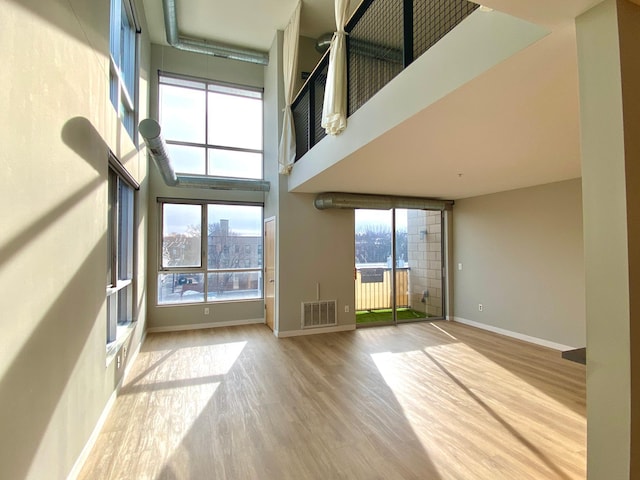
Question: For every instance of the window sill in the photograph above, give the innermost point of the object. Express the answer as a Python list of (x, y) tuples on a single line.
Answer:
[(123, 334), (121, 284), (210, 303)]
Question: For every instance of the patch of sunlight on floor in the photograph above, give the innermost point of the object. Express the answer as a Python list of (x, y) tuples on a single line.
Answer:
[(443, 331), (456, 383), (193, 389)]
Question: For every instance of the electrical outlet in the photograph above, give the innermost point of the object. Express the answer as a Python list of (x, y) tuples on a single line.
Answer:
[(346, 309), (206, 310), (459, 266), (480, 307)]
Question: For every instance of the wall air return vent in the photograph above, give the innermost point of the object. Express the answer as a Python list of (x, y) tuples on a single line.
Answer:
[(319, 314)]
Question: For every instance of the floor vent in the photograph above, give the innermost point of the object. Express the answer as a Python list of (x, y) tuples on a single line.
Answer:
[(319, 314)]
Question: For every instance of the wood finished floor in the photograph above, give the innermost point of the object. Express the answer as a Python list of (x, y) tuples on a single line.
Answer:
[(422, 401)]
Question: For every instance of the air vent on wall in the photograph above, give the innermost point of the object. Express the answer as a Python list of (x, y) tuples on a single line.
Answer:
[(319, 314)]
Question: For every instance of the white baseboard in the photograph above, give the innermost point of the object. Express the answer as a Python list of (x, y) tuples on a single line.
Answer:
[(519, 336), (198, 326), (314, 331), (82, 458)]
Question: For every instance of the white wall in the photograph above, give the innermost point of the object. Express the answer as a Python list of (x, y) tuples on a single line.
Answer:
[(522, 259), (58, 126), (308, 58), (607, 38), (312, 247)]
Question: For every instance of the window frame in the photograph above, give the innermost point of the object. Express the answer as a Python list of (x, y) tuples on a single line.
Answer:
[(124, 43), (204, 269), (208, 86), (117, 176)]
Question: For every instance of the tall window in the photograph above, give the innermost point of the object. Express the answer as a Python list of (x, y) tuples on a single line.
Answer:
[(120, 262), (212, 128), (210, 252), (124, 62)]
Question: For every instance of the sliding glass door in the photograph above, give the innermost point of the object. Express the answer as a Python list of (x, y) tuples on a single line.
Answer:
[(374, 281), (399, 266), (420, 249)]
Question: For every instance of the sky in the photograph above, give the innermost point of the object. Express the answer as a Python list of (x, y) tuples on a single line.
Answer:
[(233, 121), (376, 218)]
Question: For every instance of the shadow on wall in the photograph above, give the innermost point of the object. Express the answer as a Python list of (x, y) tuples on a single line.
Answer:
[(35, 381), (81, 137)]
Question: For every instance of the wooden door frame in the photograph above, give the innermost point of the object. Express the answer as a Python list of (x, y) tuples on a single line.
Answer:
[(264, 278)]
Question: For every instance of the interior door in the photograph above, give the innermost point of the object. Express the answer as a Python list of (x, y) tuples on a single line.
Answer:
[(270, 271)]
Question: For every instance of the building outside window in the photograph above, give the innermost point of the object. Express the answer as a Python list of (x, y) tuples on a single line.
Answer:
[(210, 252), (211, 128), (123, 70)]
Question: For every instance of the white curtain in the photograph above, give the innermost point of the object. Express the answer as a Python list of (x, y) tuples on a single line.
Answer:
[(287, 150), (334, 109)]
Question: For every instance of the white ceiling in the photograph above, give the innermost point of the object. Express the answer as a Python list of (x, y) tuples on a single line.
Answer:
[(245, 23), (514, 126)]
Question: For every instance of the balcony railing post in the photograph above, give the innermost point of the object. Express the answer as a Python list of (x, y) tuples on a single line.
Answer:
[(348, 62), (407, 52)]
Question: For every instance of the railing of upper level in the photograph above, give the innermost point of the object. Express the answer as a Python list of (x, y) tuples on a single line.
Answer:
[(384, 37)]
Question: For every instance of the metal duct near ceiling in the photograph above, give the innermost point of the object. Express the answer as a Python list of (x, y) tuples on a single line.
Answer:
[(223, 183), (364, 48), (215, 49), (325, 201), (151, 133)]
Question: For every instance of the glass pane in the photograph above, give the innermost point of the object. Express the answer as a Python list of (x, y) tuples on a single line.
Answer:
[(187, 159), (112, 191), (424, 261), (127, 52), (114, 29), (180, 288), (125, 231), (182, 114), (181, 237), (411, 265), (224, 286), (235, 236), (374, 284), (235, 121), (112, 318), (183, 82), (235, 90), (125, 305), (229, 163)]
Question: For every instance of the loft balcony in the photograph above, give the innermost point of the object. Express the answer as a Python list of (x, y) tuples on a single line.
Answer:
[(486, 104)]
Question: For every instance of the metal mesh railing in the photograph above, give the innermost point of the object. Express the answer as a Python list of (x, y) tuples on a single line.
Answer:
[(300, 110), (374, 52), (433, 19), (384, 38), (320, 82), (307, 110)]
